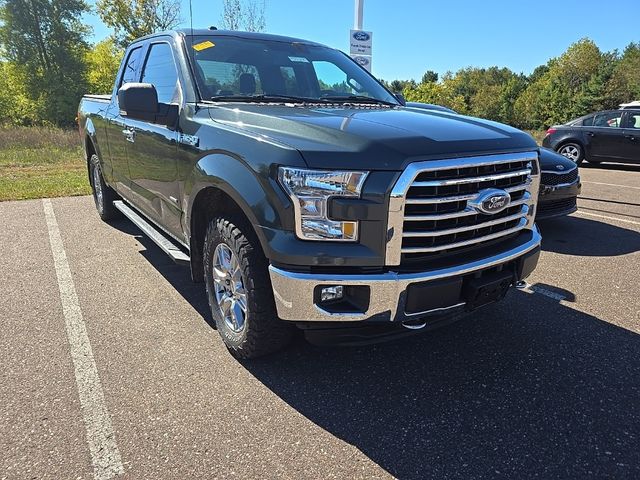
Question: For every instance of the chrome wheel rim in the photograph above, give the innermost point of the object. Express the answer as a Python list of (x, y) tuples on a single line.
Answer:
[(97, 186), (230, 293), (571, 152)]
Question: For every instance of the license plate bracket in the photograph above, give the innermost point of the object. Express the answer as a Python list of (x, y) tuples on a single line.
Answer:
[(488, 288)]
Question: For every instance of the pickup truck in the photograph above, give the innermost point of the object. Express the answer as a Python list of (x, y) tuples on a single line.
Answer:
[(305, 194)]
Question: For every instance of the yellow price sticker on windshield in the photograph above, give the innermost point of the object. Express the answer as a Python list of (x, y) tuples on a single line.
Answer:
[(203, 45)]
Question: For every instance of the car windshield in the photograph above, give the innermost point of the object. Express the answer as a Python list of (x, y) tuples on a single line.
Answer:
[(229, 68)]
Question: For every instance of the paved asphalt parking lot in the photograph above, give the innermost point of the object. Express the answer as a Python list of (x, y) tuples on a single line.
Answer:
[(101, 333)]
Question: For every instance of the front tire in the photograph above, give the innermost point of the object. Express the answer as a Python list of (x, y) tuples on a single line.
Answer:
[(239, 292), (572, 151), (103, 195)]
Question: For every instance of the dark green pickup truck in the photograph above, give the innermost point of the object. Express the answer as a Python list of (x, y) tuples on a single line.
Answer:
[(303, 192)]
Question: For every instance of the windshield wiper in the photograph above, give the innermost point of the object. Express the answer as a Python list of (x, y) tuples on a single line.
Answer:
[(358, 99), (266, 98)]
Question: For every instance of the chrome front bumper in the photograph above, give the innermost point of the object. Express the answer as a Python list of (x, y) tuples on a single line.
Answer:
[(294, 292)]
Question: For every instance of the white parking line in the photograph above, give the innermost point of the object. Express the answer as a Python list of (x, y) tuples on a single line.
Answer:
[(582, 212), (542, 291), (100, 436), (611, 185), (547, 293)]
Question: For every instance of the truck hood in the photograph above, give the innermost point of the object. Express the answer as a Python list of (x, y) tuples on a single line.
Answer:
[(374, 138)]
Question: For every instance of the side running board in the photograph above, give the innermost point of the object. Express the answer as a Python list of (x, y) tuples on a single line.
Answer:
[(166, 245)]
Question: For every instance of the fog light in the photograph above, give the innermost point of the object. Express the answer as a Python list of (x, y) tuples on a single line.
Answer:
[(331, 293)]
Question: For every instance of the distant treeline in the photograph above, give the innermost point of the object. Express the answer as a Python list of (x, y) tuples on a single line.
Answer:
[(581, 80), (47, 63)]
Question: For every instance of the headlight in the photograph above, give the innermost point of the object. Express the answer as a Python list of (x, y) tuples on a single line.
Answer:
[(310, 191)]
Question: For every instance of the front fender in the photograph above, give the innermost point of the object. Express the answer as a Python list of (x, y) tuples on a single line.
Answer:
[(254, 190), (270, 211)]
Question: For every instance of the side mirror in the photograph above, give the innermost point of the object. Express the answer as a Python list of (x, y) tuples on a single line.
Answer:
[(138, 101), (400, 97)]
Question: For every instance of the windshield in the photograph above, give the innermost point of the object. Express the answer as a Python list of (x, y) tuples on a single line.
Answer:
[(241, 69)]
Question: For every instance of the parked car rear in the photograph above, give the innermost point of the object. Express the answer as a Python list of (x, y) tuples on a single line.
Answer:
[(607, 136)]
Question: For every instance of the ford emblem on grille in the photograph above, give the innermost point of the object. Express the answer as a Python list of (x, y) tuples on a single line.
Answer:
[(490, 201)]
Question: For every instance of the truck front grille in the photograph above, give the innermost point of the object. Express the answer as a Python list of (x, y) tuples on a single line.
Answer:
[(429, 210)]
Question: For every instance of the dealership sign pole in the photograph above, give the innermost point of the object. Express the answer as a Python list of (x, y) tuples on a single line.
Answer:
[(360, 40)]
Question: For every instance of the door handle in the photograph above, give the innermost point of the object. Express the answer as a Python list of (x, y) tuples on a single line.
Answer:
[(591, 134), (630, 137), (129, 135)]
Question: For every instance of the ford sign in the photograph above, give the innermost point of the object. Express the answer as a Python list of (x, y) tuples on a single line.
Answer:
[(361, 36), (490, 201)]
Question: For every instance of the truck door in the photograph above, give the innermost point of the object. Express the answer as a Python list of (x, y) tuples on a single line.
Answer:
[(631, 132), (116, 129), (152, 150)]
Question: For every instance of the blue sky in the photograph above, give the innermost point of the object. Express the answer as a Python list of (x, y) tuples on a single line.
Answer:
[(412, 36)]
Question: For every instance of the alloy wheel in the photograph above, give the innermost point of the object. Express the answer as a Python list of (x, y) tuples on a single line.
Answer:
[(230, 293), (97, 187), (571, 152)]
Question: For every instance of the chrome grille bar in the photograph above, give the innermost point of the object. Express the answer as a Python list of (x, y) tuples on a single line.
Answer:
[(457, 198), (463, 181), (467, 228), (525, 200), (407, 236), (502, 233)]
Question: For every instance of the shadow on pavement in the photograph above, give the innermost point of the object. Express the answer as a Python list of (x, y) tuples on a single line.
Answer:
[(579, 236), (178, 276), (527, 389)]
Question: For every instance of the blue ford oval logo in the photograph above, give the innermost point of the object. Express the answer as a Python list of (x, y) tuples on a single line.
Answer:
[(361, 36), (490, 201)]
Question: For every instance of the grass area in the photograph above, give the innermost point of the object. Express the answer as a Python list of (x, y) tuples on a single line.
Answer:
[(37, 162)]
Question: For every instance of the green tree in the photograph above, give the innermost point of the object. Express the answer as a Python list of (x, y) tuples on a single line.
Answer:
[(436, 93), (624, 84), (243, 15), (16, 108), (430, 77), (44, 40), (132, 19), (103, 61)]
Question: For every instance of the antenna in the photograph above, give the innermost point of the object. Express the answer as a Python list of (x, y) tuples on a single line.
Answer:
[(191, 20), (191, 52)]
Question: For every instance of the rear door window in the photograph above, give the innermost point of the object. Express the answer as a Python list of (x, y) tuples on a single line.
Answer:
[(633, 120), (160, 70), (130, 72)]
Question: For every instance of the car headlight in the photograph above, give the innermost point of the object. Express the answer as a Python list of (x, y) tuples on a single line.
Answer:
[(310, 191)]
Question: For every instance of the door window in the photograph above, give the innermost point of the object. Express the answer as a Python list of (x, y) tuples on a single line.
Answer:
[(587, 122), (131, 67), (160, 70), (633, 121), (608, 119)]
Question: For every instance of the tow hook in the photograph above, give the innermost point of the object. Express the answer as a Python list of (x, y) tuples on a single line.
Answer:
[(414, 326)]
